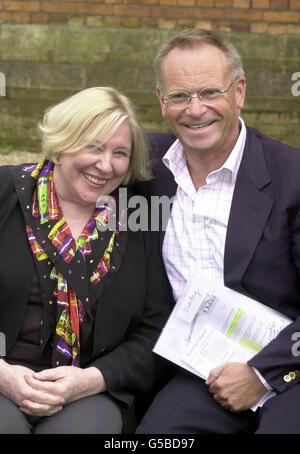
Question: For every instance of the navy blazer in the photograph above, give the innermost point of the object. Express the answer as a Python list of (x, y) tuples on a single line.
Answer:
[(262, 249)]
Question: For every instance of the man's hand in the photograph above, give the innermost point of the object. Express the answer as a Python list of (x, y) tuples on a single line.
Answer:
[(15, 385), (235, 386)]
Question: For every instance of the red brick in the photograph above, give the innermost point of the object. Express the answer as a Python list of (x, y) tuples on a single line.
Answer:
[(39, 18), (282, 16), (186, 23), (186, 3), (242, 14), (21, 6), (112, 20), (57, 18), (131, 10), (96, 9), (148, 22), (185, 13), (205, 25), (295, 4), (5, 16), (279, 4), (166, 23), (241, 4), (295, 29), (224, 26), (277, 29), (59, 7), (168, 2), (258, 27), (241, 26), (21, 18), (203, 3), (260, 4), (223, 3)]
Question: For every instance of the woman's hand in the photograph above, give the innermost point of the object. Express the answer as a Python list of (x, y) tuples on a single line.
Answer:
[(68, 382), (15, 385)]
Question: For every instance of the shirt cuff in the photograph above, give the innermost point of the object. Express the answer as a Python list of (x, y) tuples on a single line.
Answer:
[(268, 395)]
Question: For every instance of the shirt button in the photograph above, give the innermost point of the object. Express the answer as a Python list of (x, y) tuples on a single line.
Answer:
[(50, 302)]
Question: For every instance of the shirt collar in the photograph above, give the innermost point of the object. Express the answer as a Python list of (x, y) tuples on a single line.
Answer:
[(175, 159)]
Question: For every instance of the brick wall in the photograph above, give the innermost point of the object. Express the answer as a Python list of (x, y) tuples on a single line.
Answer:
[(259, 16), (44, 63)]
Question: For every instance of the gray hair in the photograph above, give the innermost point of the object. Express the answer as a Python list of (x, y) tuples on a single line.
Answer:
[(193, 39)]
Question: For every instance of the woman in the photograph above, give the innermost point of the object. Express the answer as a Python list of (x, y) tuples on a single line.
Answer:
[(81, 305)]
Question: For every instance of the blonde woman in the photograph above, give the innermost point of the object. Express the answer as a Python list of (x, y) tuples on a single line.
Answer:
[(80, 306)]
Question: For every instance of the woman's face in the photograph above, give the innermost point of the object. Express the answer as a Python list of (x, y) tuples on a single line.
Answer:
[(95, 171)]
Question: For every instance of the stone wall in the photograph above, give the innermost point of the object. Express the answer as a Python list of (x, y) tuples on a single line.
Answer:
[(43, 64)]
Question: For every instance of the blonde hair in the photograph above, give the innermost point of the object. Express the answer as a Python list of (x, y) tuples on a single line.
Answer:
[(93, 113)]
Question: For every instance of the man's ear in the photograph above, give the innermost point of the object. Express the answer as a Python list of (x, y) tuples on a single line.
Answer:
[(162, 105), (240, 93)]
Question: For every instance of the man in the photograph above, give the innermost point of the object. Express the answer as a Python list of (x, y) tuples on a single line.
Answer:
[(236, 219)]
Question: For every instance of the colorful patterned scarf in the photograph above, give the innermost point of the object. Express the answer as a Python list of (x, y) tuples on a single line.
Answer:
[(70, 310)]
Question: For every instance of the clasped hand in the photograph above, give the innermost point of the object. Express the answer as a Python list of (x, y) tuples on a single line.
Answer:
[(235, 386), (45, 393)]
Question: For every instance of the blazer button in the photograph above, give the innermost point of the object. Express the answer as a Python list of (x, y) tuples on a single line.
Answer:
[(287, 378), (292, 375)]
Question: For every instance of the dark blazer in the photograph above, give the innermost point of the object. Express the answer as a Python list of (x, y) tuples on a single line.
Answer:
[(131, 309), (262, 250)]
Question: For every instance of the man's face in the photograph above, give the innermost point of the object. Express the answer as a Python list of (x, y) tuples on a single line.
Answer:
[(202, 127)]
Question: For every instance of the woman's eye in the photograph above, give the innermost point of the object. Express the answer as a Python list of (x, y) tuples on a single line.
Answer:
[(122, 153)]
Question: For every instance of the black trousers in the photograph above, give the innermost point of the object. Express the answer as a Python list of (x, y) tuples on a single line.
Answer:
[(185, 406), (97, 414)]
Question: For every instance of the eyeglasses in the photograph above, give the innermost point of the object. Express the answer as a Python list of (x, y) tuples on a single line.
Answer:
[(181, 99)]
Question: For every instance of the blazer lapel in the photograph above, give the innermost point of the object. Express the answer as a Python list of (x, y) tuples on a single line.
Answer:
[(249, 213)]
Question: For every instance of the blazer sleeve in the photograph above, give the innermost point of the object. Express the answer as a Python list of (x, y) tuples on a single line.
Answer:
[(130, 368), (279, 361)]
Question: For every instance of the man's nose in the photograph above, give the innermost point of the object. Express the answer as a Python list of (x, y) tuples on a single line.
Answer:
[(196, 106)]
